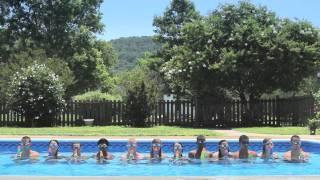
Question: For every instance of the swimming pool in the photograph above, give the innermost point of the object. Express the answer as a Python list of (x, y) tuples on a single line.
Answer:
[(117, 167)]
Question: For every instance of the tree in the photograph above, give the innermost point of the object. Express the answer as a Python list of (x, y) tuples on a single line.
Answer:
[(27, 58), (137, 105), (91, 67), (37, 94), (168, 30), (243, 50), (154, 86), (63, 29), (246, 49), (168, 26), (51, 25)]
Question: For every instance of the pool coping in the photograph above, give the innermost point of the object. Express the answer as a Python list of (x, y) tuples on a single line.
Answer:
[(141, 139), (158, 177)]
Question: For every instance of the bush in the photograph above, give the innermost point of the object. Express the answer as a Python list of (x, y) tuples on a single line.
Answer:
[(28, 57), (314, 123), (37, 94), (313, 126), (137, 106), (96, 96)]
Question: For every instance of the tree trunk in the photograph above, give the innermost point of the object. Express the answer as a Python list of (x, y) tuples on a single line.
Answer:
[(242, 97), (28, 121), (251, 110)]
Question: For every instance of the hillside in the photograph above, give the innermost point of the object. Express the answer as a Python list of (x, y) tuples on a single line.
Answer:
[(129, 49)]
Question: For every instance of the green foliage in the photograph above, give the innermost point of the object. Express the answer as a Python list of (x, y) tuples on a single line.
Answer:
[(91, 66), (96, 96), (314, 123), (316, 96), (36, 93), (245, 49), (168, 29), (130, 49), (154, 85), (308, 86), (51, 25), (64, 30), (137, 106), (27, 58)]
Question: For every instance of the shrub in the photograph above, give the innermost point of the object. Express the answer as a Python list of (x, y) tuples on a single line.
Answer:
[(314, 123), (137, 106), (96, 96), (37, 94), (316, 96)]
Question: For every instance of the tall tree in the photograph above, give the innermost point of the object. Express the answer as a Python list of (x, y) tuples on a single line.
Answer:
[(63, 29), (142, 73), (50, 24), (246, 49), (168, 29)]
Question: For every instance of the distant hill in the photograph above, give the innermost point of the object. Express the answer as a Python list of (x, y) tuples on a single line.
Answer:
[(129, 49)]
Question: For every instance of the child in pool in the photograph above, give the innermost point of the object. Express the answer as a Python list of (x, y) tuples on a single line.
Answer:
[(132, 153), (244, 152), (201, 152), (296, 154), (24, 149)]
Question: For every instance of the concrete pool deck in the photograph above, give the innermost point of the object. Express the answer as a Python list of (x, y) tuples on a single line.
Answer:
[(227, 134)]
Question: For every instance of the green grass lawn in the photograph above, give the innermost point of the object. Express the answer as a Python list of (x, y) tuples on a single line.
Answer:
[(277, 130), (109, 131)]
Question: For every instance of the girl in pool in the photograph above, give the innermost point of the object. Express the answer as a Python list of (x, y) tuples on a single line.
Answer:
[(53, 150), (267, 150), (156, 151), (178, 157), (76, 154), (244, 152), (201, 153), (103, 153), (24, 149), (132, 153), (178, 152), (223, 151), (296, 154)]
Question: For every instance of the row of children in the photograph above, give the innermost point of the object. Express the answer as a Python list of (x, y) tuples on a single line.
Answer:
[(295, 154)]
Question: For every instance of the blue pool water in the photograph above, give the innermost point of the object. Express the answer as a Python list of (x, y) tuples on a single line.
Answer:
[(117, 167)]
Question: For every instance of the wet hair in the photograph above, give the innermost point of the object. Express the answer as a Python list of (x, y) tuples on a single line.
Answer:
[(54, 140), (243, 153), (219, 151), (25, 138), (174, 154), (103, 141), (243, 137), (294, 136), (160, 151), (201, 137), (264, 151), (200, 148)]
